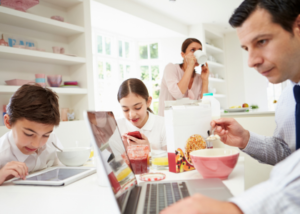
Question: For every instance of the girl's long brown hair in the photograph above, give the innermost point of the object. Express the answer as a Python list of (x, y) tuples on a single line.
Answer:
[(135, 86), (185, 45)]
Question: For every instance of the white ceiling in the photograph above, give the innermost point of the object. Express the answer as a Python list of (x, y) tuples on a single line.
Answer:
[(116, 21), (190, 12)]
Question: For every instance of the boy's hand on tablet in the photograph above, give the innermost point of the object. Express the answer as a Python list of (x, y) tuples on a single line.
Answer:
[(13, 169)]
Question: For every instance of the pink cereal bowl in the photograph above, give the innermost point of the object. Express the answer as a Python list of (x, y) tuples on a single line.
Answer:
[(215, 163)]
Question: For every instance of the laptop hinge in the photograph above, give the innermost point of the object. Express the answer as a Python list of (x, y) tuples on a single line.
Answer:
[(133, 200)]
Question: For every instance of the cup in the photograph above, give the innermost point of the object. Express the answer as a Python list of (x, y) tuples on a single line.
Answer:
[(200, 56), (64, 114), (139, 158), (159, 158), (57, 49)]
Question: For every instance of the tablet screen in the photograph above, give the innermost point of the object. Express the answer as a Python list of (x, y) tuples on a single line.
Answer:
[(56, 175)]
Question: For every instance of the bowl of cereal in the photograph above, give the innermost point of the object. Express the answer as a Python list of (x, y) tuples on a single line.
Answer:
[(215, 163)]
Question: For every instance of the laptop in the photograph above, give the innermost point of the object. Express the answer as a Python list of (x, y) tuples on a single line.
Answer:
[(147, 197)]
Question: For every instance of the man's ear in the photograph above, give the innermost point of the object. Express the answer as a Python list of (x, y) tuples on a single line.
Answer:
[(297, 26), (6, 121), (149, 101)]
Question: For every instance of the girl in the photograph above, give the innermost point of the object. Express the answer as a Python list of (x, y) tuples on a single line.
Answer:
[(134, 99), (181, 80)]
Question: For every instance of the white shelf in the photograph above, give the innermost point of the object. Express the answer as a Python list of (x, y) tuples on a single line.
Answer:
[(212, 35), (213, 50), (215, 80), (8, 89), (215, 64), (63, 3), (219, 95), (26, 20), (38, 56)]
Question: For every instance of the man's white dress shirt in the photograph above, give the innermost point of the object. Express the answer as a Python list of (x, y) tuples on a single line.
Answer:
[(280, 194), (272, 150)]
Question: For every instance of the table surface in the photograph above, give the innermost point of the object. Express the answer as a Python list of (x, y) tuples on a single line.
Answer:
[(85, 195)]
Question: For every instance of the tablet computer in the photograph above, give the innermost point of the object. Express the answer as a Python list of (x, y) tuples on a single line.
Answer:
[(56, 176)]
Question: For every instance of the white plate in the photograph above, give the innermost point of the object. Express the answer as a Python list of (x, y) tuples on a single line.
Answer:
[(236, 110)]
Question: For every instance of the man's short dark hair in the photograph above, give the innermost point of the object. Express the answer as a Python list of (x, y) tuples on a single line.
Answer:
[(283, 12), (34, 103)]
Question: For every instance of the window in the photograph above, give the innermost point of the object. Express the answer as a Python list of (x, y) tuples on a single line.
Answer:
[(150, 70), (117, 58), (113, 64)]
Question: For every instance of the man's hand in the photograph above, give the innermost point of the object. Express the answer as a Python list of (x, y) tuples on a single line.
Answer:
[(13, 169), (231, 132), (199, 204)]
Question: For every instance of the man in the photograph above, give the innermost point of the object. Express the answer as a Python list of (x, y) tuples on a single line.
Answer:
[(274, 52), (270, 31)]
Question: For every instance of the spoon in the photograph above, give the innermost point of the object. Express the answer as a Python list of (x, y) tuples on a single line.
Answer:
[(57, 147)]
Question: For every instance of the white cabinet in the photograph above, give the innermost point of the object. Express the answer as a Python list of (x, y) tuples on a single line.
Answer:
[(74, 35), (214, 48)]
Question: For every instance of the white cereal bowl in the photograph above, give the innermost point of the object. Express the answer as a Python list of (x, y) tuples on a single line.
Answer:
[(74, 156)]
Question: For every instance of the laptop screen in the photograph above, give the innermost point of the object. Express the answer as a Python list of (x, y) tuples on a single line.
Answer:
[(113, 153)]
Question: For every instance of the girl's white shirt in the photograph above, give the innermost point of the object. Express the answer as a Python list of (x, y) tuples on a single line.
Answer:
[(44, 157), (154, 130)]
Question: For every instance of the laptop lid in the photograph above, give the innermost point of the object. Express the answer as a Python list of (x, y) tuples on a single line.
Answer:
[(111, 151)]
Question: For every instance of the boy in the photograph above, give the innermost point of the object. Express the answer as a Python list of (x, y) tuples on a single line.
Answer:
[(32, 113)]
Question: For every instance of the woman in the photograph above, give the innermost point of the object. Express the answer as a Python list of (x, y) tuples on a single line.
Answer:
[(134, 99), (181, 80)]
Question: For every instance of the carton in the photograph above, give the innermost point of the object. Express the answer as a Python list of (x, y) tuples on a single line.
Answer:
[(187, 122)]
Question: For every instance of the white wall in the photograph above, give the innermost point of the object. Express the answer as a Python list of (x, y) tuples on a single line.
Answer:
[(255, 85), (171, 50), (244, 84), (234, 70), (146, 14)]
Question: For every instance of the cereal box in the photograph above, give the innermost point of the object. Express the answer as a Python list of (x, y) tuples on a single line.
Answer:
[(187, 122)]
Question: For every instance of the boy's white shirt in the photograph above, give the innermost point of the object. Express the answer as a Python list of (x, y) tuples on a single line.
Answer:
[(154, 130), (44, 158)]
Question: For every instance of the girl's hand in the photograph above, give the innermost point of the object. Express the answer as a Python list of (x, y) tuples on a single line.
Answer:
[(205, 72), (190, 60), (135, 141), (13, 169)]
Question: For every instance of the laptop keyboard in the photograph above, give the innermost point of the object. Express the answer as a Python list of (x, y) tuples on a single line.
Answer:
[(159, 196)]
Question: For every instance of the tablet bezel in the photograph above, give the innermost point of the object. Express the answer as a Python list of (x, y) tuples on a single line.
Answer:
[(91, 170)]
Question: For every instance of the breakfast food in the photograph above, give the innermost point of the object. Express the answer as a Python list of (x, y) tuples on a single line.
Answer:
[(245, 105), (195, 142)]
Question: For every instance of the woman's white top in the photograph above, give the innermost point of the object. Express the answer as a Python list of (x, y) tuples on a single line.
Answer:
[(44, 157), (154, 130)]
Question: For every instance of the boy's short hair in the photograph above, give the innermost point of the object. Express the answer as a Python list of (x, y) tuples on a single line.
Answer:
[(34, 103)]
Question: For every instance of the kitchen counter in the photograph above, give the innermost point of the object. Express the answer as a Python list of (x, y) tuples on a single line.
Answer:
[(251, 113)]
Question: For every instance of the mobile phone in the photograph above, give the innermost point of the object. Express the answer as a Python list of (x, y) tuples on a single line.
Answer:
[(135, 134)]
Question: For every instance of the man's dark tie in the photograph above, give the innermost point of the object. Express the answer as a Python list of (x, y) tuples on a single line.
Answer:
[(297, 114)]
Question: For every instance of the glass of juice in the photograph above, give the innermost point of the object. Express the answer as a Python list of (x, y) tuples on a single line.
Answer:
[(139, 158), (159, 158)]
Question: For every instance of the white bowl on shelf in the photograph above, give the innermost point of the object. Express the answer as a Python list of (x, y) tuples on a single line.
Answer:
[(76, 156)]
